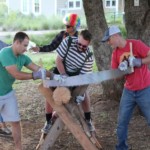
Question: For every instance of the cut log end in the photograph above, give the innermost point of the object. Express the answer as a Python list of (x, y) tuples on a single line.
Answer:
[(61, 95)]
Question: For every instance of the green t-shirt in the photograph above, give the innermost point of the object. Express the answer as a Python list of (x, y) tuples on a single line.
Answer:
[(7, 58)]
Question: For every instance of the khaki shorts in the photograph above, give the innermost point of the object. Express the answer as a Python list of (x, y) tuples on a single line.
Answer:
[(9, 107)]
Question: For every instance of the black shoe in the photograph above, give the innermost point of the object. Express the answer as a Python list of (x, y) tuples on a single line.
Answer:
[(46, 127), (90, 125)]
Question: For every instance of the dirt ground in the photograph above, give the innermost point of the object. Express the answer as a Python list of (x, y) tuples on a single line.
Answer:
[(104, 114)]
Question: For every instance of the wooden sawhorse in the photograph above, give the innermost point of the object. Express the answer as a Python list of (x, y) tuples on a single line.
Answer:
[(86, 139)]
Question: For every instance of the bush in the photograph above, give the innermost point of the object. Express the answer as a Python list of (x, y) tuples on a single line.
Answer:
[(3, 11), (40, 41), (123, 31), (114, 18), (16, 21), (43, 39)]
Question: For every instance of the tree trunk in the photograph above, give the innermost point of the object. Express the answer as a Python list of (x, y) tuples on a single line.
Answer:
[(137, 20), (97, 25)]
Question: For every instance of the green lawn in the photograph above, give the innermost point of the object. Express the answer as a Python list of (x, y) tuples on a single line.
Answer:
[(48, 59)]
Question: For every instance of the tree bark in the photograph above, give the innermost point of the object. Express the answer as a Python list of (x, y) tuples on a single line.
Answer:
[(96, 23), (137, 20)]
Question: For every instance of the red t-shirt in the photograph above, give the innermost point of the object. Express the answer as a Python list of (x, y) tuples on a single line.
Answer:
[(140, 78)]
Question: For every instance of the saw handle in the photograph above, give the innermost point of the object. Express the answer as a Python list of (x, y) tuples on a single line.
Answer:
[(131, 54)]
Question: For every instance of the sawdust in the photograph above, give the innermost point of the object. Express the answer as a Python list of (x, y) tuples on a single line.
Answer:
[(104, 114)]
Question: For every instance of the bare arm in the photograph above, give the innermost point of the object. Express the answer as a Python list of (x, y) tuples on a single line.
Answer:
[(32, 66), (52, 46), (146, 60), (60, 65), (35, 49), (18, 74)]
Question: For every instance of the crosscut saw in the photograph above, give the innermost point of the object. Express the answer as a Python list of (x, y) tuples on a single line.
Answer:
[(86, 79)]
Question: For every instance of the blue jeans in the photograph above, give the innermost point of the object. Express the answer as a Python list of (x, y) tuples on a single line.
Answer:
[(1, 119), (128, 102)]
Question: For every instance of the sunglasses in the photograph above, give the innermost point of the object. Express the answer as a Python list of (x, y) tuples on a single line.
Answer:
[(83, 47), (68, 26)]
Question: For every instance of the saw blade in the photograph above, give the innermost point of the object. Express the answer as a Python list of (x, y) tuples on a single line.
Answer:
[(86, 79)]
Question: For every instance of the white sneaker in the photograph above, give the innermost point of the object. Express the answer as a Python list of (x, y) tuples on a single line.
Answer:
[(6, 131)]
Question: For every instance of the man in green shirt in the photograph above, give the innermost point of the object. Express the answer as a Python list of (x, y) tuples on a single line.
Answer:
[(12, 60)]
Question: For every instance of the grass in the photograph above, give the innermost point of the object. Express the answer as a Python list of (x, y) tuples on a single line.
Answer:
[(48, 60)]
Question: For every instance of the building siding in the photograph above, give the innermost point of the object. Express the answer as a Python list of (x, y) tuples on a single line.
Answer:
[(119, 8), (48, 7), (62, 8), (14, 5), (58, 7)]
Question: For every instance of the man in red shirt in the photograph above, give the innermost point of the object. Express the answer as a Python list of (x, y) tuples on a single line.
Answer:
[(137, 84)]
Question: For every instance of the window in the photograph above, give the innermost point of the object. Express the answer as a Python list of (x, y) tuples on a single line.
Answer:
[(36, 7), (74, 4), (78, 4), (25, 6), (110, 3), (71, 5), (113, 3)]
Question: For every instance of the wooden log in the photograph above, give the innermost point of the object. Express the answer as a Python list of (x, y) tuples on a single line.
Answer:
[(79, 113), (61, 95), (68, 120), (53, 134)]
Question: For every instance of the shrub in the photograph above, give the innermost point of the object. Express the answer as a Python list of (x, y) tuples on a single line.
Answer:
[(16, 21), (43, 39)]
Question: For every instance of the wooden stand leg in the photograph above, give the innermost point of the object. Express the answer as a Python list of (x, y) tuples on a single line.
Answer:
[(77, 111), (41, 141), (53, 134)]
